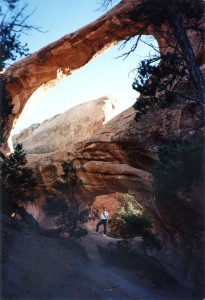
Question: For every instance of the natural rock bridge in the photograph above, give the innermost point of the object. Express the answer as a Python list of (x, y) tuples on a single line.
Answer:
[(47, 67), (129, 148)]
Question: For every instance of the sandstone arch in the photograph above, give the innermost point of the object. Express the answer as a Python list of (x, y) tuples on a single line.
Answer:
[(48, 66), (138, 142)]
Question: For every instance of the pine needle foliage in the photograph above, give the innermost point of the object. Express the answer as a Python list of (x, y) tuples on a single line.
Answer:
[(66, 210), (157, 76), (17, 179), (176, 176), (180, 167)]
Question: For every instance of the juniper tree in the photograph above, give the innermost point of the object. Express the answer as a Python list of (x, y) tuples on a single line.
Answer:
[(170, 21), (14, 23), (177, 174), (66, 210), (17, 180)]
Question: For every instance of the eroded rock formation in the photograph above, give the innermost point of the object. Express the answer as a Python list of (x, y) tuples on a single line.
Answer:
[(37, 73), (119, 157), (32, 76)]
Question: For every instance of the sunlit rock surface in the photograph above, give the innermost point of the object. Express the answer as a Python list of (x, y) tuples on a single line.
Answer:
[(18, 138), (62, 131)]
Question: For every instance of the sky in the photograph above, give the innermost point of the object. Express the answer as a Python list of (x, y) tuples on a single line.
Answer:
[(106, 75)]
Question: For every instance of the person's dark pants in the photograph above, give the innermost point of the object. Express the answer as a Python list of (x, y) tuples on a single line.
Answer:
[(102, 222)]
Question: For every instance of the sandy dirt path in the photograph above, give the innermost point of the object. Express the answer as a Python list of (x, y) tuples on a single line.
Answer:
[(122, 284), (38, 267)]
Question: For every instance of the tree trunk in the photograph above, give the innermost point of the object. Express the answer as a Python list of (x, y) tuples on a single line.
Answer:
[(176, 23)]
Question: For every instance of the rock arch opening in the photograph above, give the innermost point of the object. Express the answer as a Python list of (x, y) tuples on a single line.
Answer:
[(47, 67), (108, 74)]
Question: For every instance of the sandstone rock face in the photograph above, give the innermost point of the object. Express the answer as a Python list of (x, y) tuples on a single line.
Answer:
[(61, 132), (111, 202), (18, 138), (117, 158), (109, 161)]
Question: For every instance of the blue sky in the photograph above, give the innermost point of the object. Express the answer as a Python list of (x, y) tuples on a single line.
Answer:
[(106, 75)]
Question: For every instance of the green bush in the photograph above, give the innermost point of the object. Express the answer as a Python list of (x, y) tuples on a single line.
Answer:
[(177, 174), (180, 167), (130, 221), (17, 180)]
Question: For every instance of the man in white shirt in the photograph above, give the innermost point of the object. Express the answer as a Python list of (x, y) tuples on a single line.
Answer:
[(104, 217)]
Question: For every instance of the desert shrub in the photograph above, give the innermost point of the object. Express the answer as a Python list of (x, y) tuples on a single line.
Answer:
[(131, 221), (61, 212), (66, 218), (128, 206)]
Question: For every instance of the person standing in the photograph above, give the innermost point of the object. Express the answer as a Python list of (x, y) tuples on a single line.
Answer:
[(104, 217)]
